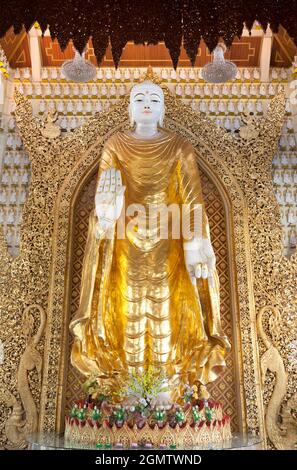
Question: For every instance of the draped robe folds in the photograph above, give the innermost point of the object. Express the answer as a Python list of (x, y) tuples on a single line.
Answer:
[(138, 306)]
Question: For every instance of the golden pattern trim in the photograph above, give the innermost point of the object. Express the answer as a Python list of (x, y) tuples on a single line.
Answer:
[(188, 433), (284, 435), (24, 416), (185, 436)]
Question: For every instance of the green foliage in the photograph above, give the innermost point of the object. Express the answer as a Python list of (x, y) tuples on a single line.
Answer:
[(96, 414), (208, 413), (195, 414)]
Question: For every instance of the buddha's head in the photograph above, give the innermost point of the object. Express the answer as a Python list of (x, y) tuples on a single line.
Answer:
[(146, 104)]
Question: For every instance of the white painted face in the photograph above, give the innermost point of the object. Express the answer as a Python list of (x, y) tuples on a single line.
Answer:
[(146, 104)]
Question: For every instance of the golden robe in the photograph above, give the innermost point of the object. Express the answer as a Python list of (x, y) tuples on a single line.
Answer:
[(138, 306)]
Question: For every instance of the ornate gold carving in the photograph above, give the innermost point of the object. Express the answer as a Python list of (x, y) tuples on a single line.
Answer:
[(284, 434), (249, 131), (49, 129), (59, 167), (24, 417), (150, 75), (180, 436)]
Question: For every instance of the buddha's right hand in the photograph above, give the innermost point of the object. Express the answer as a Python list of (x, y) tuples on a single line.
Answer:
[(109, 200)]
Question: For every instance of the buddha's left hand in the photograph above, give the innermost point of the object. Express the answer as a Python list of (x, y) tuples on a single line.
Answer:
[(200, 259)]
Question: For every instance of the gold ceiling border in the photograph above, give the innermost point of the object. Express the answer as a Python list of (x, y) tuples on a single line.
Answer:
[(37, 276)]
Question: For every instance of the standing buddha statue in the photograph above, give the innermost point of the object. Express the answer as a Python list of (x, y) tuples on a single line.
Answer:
[(148, 300)]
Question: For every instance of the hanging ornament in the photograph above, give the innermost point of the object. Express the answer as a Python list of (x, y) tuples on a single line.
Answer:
[(79, 69), (219, 70)]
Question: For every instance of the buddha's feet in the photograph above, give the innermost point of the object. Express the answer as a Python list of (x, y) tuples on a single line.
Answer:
[(162, 400)]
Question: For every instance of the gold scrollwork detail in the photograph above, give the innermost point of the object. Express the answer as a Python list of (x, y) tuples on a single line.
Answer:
[(281, 426), (24, 416)]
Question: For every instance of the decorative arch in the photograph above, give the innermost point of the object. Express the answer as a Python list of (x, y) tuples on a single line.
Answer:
[(59, 299)]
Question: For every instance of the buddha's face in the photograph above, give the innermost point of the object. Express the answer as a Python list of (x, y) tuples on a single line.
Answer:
[(146, 104)]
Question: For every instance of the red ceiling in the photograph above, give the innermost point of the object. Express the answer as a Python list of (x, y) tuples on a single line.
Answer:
[(244, 52)]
